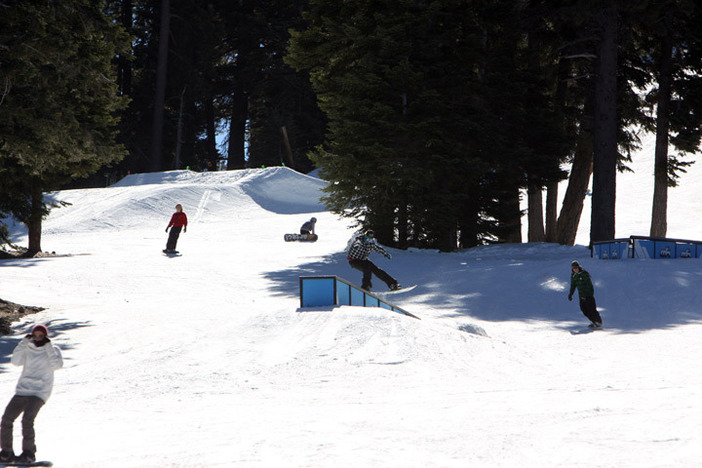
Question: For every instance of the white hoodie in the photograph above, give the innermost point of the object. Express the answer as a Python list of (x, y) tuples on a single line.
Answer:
[(39, 363)]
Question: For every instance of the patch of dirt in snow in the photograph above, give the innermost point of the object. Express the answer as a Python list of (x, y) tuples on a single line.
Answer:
[(11, 312)]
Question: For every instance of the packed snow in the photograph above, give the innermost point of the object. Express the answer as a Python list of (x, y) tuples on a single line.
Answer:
[(207, 359)]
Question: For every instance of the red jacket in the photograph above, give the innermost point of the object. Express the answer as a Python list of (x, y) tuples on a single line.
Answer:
[(178, 219)]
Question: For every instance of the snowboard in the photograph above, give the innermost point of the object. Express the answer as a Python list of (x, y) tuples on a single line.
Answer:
[(585, 330), (401, 290), (36, 463), (300, 237), (172, 254)]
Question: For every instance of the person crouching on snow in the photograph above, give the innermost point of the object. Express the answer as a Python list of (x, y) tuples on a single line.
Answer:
[(38, 358), (178, 221), (308, 226), (360, 248), (580, 279)]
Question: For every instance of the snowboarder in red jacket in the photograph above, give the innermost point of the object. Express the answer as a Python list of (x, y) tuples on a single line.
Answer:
[(178, 222)]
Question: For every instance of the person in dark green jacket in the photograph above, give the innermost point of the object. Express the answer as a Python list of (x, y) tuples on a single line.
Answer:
[(580, 279)]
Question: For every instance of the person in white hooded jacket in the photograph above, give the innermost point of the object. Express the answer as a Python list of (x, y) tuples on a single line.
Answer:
[(38, 357)]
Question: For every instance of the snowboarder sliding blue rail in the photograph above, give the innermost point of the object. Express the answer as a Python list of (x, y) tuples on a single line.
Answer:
[(359, 249)]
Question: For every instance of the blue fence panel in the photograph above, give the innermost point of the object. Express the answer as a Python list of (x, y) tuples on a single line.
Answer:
[(647, 248), (343, 293), (612, 250), (644, 248), (664, 249), (357, 297), (685, 250), (317, 293), (597, 250), (619, 250), (372, 301)]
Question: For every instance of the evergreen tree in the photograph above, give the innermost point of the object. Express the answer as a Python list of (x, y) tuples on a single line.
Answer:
[(58, 111), (285, 121), (438, 117), (395, 135), (673, 46)]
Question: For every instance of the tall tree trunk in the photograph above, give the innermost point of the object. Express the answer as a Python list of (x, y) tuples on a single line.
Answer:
[(124, 65), (160, 99), (179, 135), (659, 215), (236, 150), (468, 223), (211, 142), (34, 222), (288, 148), (605, 155), (535, 214), (402, 227), (579, 179), (513, 219), (551, 211), (560, 101)]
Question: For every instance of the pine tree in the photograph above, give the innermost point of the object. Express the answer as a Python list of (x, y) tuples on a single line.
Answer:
[(671, 38), (58, 111), (392, 79), (285, 122)]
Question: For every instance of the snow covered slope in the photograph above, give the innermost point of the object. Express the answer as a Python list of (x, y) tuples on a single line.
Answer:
[(206, 359), (635, 199)]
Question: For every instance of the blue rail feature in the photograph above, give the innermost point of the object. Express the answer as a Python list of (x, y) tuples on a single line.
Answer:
[(646, 247), (321, 291)]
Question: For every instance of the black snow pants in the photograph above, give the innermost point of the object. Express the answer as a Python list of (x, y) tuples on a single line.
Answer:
[(369, 268), (173, 237), (589, 308), (30, 406)]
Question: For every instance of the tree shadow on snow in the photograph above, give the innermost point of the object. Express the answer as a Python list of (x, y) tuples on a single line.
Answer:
[(20, 262), (453, 286), (287, 282), (57, 328), (629, 301)]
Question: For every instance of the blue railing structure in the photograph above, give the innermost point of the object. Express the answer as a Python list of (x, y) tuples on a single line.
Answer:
[(614, 249), (646, 247), (321, 291)]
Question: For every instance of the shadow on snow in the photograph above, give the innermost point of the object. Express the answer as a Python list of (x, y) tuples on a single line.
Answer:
[(630, 300)]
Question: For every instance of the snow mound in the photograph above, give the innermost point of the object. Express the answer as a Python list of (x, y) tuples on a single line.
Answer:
[(145, 199)]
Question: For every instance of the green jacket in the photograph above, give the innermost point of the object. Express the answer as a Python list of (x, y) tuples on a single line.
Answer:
[(582, 281)]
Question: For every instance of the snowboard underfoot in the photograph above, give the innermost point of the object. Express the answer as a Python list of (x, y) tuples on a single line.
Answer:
[(583, 331), (397, 291)]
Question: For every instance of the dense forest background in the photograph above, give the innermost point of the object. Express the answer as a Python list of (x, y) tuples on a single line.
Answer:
[(429, 118)]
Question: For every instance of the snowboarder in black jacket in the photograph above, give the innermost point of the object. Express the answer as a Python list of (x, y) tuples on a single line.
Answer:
[(360, 248)]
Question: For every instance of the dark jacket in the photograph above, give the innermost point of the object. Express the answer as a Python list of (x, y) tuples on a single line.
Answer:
[(360, 249), (581, 280), (309, 226)]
